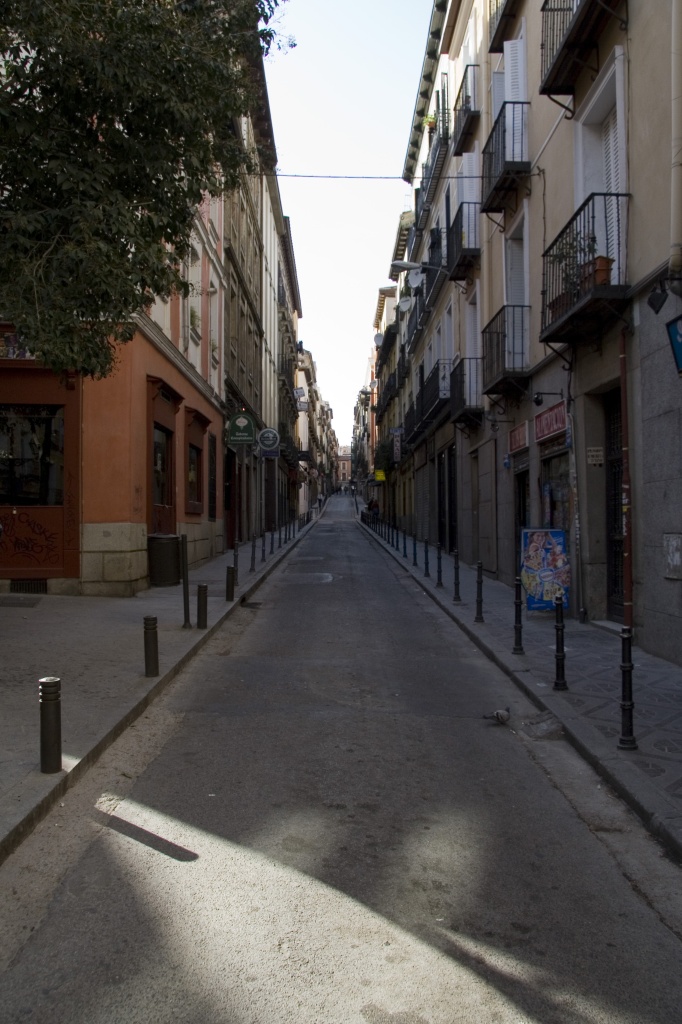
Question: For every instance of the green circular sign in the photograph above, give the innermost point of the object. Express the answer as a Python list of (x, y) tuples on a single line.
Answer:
[(268, 439)]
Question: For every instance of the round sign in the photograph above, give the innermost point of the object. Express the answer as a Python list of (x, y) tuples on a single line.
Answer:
[(268, 438)]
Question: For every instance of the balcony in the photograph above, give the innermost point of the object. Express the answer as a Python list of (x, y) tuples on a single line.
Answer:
[(287, 372), (410, 423), (464, 247), (439, 137), (500, 23), (466, 394), (403, 366), (288, 447), (505, 156), (583, 270), (434, 278), (506, 360), (435, 394), (414, 323), (466, 111), (570, 30)]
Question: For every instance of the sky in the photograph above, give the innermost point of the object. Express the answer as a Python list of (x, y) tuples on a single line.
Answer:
[(342, 102)]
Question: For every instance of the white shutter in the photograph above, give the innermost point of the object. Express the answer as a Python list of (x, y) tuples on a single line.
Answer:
[(497, 86), (515, 272), (515, 92), (607, 237), (471, 179)]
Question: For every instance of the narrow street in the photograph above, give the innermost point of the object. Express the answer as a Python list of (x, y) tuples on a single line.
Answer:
[(316, 824)]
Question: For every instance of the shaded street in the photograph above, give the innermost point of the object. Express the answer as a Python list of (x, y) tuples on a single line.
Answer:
[(316, 824)]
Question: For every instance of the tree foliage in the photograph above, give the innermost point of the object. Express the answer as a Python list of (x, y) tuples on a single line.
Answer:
[(116, 117)]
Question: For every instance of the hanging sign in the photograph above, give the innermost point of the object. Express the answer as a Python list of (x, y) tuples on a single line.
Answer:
[(674, 329), (268, 439), (242, 429), (550, 422), (518, 437)]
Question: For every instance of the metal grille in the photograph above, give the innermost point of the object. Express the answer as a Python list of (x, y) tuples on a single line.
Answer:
[(28, 586), (614, 513)]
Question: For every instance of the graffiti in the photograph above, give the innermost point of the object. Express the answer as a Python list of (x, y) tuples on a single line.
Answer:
[(25, 539)]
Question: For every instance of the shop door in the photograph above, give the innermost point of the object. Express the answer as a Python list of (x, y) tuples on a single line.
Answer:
[(614, 517)]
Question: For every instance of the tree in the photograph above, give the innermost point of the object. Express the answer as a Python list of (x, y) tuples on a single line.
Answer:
[(116, 118)]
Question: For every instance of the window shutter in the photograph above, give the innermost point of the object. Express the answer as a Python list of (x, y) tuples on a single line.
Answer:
[(497, 86), (608, 245), (515, 276), (515, 88)]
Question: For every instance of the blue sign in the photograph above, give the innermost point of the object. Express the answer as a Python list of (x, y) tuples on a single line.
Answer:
[(545, 569), (674, 328)]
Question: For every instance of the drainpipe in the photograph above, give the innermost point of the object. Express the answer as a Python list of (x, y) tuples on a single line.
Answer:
[(625, 486), (675, 263)]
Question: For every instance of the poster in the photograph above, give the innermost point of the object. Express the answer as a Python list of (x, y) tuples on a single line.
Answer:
[(545, 569)]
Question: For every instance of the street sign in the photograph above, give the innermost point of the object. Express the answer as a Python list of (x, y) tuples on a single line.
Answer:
[(268, 439), (242, 429)]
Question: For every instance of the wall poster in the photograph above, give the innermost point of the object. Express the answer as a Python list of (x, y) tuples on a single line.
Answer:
[(545, 569)]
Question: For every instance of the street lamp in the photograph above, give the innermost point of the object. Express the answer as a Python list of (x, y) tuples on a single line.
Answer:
[(401, 265)]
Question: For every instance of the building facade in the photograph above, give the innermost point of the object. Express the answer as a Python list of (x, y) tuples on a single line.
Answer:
[(540, 391)]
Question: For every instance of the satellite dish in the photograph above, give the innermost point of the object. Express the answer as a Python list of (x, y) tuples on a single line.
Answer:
[(414, 278), (405, 304), (378, 338)]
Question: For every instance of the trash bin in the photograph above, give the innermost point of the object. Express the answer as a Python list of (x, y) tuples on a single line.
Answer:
[(163, 555)]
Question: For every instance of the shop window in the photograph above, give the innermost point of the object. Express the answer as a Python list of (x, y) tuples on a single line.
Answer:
[(194, 481), (31, 455), (162, 476)]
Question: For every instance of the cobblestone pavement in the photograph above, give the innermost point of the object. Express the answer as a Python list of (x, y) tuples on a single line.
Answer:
[(649, 777)]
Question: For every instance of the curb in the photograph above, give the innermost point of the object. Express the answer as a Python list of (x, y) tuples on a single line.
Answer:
[(634, 793), (65, 779)]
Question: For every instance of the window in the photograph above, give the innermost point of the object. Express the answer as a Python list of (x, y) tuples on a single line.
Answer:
[(196, 425), (194, 481), (31, 455), (162, 467)]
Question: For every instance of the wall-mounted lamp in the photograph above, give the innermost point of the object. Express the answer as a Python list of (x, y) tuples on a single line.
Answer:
[(658, 297), (539, 396)]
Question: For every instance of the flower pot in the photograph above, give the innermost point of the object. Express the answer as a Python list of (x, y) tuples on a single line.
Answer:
[(596, 271)]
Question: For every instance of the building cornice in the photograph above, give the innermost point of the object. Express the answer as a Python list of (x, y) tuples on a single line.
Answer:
[(153, 333), (427, 82)]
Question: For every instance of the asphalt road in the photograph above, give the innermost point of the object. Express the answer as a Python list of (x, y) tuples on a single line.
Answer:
[(317, 825)]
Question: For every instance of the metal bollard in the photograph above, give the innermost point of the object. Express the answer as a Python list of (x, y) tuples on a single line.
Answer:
[(518, 624), (439, 567), (252, 567), (262, 547), (187, 624), (49, 695), (456, 598), (627, 739), (151, 646), (279, 534), (202, 605), (479, 593), (426, 558), (404, 543), (272, 542), (560, 656), (229, 583), (414, 549), (235, 562)]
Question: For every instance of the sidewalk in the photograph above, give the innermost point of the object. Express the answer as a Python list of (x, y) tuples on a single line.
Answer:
[(95, 646), (649, 778)]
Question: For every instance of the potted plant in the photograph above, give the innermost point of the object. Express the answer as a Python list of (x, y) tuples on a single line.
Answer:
[(429, 122)]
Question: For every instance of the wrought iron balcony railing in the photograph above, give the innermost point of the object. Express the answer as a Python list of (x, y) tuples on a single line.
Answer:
[(414, 326), (583, 269), (410, 422), (403, 366), (432, 167), (466, 109), (500, 23), (434, 277), (506, 350), (435, 394), (466, 391), (287, 371), (505, 156), (464, 246), (570, 30)]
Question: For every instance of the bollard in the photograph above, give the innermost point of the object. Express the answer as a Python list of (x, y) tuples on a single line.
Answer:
[(252, 567), (397, 539), (414, 549), (272, 542), (560, 656), (202, 605), (187, 624), (229, 583), (151, 646), (279, 534), (404, 543), (49, 695), (518, 625), (262, 547), (439, 567), (627, 739), (235, 562), (479, 593), (456, 598), (426, 558)]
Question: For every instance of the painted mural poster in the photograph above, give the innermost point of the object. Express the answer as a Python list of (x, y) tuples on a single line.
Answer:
[(545, 569)]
